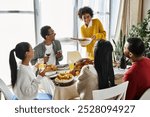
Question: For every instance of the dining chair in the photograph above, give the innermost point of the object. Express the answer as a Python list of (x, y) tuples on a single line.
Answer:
[(146, 95), (8, 95), (73, 56), (117, 92)]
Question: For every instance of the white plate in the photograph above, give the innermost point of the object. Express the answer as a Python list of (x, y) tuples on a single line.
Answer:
[(53, 76), (63, 67), (85, 42), (63, 81), (50, 73)]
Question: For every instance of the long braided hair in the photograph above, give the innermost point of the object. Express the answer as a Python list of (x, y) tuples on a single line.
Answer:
[(103, 64)]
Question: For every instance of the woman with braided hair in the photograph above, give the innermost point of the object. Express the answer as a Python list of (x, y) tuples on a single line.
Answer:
[(103, 64)]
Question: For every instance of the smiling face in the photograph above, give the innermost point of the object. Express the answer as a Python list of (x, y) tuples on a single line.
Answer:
[(86, 18), (50, 37)]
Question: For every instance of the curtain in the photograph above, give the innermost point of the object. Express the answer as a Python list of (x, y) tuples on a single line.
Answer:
[(130, 13)]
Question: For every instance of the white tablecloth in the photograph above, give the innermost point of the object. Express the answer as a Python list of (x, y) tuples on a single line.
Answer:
[(59, 92), (65, 92), (119, 71)]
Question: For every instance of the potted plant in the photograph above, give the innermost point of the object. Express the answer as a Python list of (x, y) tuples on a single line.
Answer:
[(142, 30), (119, 55)]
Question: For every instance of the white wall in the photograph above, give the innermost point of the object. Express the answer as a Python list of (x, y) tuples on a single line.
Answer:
[(146, 7)]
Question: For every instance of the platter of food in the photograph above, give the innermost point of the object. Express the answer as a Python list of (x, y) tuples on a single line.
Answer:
[(50, 68), (79, 64), (64, 78)]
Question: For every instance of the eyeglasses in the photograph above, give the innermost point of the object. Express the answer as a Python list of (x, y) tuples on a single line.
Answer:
[(51, 33)]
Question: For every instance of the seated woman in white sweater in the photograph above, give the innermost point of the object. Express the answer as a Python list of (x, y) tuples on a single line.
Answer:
[(87, 82), (24, 82)]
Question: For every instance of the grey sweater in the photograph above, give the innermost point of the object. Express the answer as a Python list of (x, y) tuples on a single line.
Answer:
[(40, 49)]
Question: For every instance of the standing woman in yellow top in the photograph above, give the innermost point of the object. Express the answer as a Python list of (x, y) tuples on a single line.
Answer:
[(92, 28)]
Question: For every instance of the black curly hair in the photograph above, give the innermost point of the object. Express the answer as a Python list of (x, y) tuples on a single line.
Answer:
[(85, 10), (44, 31), (136, 46)]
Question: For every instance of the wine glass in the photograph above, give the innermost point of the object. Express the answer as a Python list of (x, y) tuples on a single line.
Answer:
[(47, 53)]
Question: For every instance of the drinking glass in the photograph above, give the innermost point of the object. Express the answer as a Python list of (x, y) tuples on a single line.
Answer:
[(41, 65), (71, 65), (47, 53)]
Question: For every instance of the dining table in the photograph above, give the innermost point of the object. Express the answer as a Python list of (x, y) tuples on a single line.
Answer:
[(119, 73), (68, 91)]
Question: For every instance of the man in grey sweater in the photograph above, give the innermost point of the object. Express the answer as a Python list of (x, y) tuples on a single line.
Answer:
[(50, 49)]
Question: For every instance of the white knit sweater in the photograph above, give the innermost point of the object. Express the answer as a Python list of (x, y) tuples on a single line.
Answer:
[(26, 87), (87, 82)]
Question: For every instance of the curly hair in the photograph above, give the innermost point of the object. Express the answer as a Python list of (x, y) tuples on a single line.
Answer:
[(85, 10), (44, 31)]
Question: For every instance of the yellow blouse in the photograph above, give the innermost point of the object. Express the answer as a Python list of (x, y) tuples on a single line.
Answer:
[(87, 32)]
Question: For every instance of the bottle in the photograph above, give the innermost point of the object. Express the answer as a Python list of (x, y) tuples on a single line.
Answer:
[(123, 62)]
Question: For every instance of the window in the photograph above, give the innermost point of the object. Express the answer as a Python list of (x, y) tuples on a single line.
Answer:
[(101, 11), (16, 25), (114, 15), (60, 18)]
